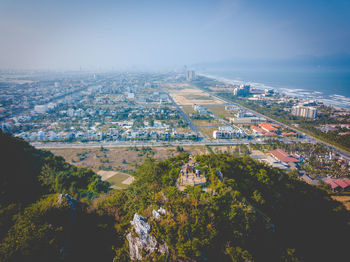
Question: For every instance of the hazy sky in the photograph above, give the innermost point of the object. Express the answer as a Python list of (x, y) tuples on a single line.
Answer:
[(60, 34)]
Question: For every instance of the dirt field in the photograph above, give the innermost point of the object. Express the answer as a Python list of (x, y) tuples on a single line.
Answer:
[(345, 200), (120, 159), (219, 110), (207, 131), (188, 109), (190, 96), (211, 122), (119, 180), (106, 174)]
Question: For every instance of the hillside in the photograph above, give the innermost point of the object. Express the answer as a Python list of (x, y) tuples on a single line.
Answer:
[(255, 213)]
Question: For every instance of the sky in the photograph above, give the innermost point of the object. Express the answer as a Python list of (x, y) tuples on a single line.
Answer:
[(73, 34)]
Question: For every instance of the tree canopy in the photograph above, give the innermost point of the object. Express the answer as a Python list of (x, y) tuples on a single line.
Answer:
[(254, 213)]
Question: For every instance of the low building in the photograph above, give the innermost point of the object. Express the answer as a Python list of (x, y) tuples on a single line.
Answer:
[(310, 180), (288, 134), (246, 120), (333, 185), (264, 131), (230, 107), (283, 156), (40, 109), (269, 127), (200, 109), (227, 132)]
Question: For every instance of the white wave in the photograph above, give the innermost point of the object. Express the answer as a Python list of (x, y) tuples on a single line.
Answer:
[(333, 100)]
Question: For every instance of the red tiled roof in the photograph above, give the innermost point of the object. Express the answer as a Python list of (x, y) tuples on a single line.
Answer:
[(347, 180), (283, 156), (269, 127), (331, 183), (341, 183), (288, 133), (258, 129), (270, 134)]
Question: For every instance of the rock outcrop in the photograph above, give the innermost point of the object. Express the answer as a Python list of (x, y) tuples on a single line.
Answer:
[(157, 213), (140, 239)]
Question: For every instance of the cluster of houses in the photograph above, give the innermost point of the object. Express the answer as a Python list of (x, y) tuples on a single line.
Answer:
[(334, 128), (167, 134), (124, 130), (269, 129), (90, 135), (281, 159)]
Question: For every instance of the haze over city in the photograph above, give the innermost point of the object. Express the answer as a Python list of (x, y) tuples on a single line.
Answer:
[(161, 34), (182, 130)]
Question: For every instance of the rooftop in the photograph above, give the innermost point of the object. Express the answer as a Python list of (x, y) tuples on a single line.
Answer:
[(283, 156)]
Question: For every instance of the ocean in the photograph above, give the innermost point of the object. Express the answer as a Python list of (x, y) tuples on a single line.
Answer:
[(328, 86)]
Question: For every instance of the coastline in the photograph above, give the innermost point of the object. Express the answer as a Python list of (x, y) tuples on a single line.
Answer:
[(335, 100)]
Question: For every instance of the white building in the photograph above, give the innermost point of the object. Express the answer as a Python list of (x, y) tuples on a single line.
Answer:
[(231, 108), (40, 109), (131, 95), (246, 120), (227, 132), (199, 109), (51, 105), (305, 111), (70, 112)]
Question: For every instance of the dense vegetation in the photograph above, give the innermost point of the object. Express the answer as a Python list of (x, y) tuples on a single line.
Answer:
[(28, 174), (256, 213)]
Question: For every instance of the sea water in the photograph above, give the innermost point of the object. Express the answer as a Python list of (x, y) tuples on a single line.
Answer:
[(329, 86)]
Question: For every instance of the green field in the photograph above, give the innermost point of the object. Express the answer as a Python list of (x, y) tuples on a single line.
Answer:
[(117, 180)]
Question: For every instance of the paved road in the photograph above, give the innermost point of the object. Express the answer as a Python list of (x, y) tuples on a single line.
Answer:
[(227, 142), (187, 119)]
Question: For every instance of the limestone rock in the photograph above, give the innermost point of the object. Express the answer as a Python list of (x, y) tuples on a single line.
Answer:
[(140, 240)]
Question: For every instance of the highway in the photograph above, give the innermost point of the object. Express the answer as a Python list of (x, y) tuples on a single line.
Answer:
[(222, 142)]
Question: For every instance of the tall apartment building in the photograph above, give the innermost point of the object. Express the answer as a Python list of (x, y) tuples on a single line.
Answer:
[(242, 90), (190, 75), (305, 111)]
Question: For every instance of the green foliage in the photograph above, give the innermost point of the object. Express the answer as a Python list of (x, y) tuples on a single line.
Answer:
[(28, 174), (51, 230), (255, 213), (60, 177), (179, 149)]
